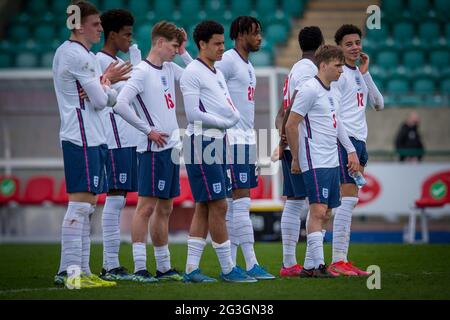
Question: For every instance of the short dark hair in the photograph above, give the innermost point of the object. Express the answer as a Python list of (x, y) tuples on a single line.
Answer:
[(243, 24), (115, 20), (345, 30), (205, 30), (168, 31), (86, 9), (326, 53), (310, 38)]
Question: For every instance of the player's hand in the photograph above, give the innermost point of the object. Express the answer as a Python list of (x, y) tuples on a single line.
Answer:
[(182, 48), (353, 162), (158, 138), (116, 73), (364, 65), (277, 154), (295, 166), (83, 95)]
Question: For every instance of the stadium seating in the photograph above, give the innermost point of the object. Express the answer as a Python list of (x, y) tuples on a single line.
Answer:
[(50, 27), (38, 190), (61, 198), (435, 193)]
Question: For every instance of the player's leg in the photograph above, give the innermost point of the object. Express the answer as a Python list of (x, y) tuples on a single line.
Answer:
[(196, 244), (139, 232), (234, 240), (121, 168), (343, 215), (294, 210), (84, 178)]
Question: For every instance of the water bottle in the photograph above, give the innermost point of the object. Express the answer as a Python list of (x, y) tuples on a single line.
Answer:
[(359, 179)]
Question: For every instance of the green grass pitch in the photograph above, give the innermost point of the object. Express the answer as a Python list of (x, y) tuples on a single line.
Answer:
[(407, 272)]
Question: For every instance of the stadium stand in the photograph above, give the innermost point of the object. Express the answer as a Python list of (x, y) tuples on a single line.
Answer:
[(9, 189), (38, 190), (275, 15)]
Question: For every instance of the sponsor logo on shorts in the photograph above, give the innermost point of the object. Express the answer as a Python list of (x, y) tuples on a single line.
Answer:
[(325, 193), (123, 177), (96, 180), (161, 185), (243, 177), (217, 187)]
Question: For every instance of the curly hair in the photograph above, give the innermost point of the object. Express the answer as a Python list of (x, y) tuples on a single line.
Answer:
[(345, 30), (115, 20), (205, 30), (310, 38)]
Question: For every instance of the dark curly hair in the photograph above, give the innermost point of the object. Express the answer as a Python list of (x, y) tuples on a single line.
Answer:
[(115, 20), (205, 30), (345, 30), (243, 24), (310, 38)]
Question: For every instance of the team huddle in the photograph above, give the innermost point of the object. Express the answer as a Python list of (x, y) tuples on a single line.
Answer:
[(119, 133)]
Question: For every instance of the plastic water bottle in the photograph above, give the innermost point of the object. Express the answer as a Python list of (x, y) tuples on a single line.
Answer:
[(359, 179)]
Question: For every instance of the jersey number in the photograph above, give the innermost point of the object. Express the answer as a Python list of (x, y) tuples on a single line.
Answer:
[(359, 97), (334, 121), (169, 101), (251, 94)]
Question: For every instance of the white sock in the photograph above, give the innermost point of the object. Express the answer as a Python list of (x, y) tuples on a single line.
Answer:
[(162, 257), (72, 234), (111, 231), (244, 230), (231, 233), (290, 229), (223, 251), (139, 256), (86, 243), (341, 228), (309, 259), (195, 251), (315, 242)]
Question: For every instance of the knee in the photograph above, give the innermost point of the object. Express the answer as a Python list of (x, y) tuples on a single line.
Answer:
[(145, 210), (164, 211)]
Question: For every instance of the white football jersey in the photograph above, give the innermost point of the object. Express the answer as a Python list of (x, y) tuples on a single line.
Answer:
[(74, 66), (318, 136), (301, 72), (119, 134), (156, 101), (241, 81), (210, 85), (353, 101)]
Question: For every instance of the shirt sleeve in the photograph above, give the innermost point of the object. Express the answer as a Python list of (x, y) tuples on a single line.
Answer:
[(137, 80), (177, 70), (83, 69), (375, 97), (304, 100)]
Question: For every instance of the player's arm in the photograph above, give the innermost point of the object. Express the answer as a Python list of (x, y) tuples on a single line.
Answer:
[(292, 135), (300, 108), (285, 119), (194, 114), (125, 110), (190, 87), (353, 161), (375, 98)]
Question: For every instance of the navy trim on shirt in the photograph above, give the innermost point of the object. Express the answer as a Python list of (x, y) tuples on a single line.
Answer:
[(321, 83), (106, 53), (75, 41), (350, 67), (154, 66), (243, 59), (213, 70)]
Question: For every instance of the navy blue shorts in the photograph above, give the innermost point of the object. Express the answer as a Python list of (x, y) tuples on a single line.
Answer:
[(244, 173), (322, 186), (363, 157), (293, 184), (158, 175), (121, 168), (206, 167), (84, 168)]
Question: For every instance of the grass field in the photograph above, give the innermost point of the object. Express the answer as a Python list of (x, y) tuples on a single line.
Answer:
[(407, 272)]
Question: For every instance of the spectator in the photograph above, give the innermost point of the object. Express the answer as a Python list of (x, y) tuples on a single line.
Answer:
[(408, 142)]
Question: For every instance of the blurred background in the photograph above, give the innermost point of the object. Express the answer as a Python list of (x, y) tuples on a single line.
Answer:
[(409, 142)]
